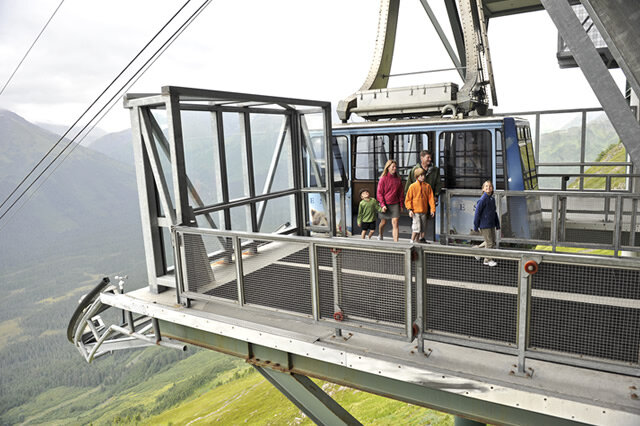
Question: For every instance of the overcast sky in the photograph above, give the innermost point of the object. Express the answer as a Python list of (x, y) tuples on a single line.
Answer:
[(305, 49)]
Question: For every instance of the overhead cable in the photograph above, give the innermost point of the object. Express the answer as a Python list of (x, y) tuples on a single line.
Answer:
[(29, 49), (124, 87)]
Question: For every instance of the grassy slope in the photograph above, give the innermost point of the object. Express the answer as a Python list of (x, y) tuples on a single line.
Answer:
[(205, 388), (613, 153)]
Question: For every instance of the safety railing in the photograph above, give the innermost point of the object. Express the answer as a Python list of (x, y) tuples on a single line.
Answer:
[(590, 182), (575, 310), (549, 220), (578, 310), (349, 284)]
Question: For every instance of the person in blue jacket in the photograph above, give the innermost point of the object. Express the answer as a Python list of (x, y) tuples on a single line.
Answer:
[(486, 219)]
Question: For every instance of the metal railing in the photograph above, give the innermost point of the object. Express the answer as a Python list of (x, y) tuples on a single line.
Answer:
[(578, 310), (605, 180), (352, 284), (571, 309), (549, 220)]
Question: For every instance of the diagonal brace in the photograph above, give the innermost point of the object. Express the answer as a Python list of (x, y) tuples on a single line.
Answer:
[(308, 397)]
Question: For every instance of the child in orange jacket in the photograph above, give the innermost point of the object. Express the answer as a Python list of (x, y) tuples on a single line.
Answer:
[(420, 202)]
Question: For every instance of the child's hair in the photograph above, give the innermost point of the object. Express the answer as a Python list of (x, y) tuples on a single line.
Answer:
[(364, 190), (418, 172), (386, 167)]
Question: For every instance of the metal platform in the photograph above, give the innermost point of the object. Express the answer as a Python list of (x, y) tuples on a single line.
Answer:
[(472, 379)]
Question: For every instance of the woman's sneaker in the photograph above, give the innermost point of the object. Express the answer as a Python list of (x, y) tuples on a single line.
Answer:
[(380, 237), (490, 263)]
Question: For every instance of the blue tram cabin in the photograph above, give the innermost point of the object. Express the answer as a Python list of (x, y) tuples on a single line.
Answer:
[(467, 151)]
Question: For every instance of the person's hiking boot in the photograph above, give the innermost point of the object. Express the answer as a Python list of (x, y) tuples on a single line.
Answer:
[(490, 263)]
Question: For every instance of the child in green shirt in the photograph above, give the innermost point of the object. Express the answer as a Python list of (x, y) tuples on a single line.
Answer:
[(367, 213)]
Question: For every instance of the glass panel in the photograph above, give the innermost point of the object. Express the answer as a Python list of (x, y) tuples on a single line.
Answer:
[(560, 137), (317, 211), (201, 156), (241, 218), (234, 147), (341, 161), (372, 153), (267, 133), (313, 149), (406, 148), (466, 158), (601, 139), (280, 214), (167, 248)]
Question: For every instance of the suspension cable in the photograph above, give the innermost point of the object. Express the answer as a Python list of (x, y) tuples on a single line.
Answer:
[(124, 87), (29, 49), (44, 157)]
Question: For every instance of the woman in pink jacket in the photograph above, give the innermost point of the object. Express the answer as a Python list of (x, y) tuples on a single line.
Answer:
[(391, 196)]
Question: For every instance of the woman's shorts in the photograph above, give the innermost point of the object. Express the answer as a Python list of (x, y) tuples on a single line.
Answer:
[(393, 211), (419, 223), (366, 226)]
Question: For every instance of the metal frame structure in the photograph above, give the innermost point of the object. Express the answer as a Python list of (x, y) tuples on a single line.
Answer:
[(170, 195), (538, 117), (615, 221), (598, 76)]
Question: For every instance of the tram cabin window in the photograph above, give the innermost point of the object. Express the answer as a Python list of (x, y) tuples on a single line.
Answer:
[(372, 152), (529, 174), (499, 160), (465, 158)]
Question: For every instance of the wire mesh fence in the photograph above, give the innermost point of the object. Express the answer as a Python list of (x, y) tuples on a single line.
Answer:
[(209, 273), (357, 285), (464, 298), (277, 275), (587, 311)]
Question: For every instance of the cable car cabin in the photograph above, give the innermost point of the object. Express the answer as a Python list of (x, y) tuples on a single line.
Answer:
[(468, 152)]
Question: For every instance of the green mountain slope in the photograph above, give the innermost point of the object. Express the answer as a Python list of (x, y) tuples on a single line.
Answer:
[(204, 388), (615, 153)]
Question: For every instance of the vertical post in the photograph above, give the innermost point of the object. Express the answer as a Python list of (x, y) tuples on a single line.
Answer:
[(178, 169), (554, 222), (343, 211), (523, 314), (617, 228), (537, 141), (336, 266), (250, 176), (632, 224), (224, 182), (328, 149), (448, 216), (237, 249), (298, 171), (499, 213), (176, 240), (315, 285), (583, 137), (407, 286), (420, 293)]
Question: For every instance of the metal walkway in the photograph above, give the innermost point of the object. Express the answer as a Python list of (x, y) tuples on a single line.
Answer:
[(493, 344)]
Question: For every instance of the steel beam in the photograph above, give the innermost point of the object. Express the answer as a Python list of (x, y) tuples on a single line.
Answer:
[(434, 397), (308, 397), (443, 38), (597, 75)]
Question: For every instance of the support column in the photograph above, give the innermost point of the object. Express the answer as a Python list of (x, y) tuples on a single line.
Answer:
[(597, 74), (308, 397), (461, 421)]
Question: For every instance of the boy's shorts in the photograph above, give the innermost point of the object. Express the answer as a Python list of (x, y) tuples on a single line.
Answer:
[(419, 223), (368, 226)]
